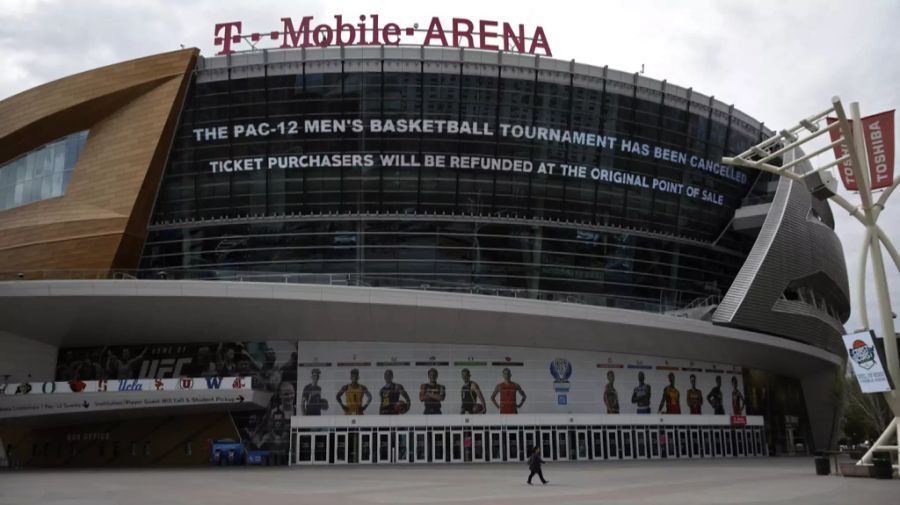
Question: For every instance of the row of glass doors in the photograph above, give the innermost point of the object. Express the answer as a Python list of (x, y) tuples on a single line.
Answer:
[(498, 444)]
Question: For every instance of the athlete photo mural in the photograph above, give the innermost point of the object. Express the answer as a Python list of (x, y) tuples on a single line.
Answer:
[(519, 381)]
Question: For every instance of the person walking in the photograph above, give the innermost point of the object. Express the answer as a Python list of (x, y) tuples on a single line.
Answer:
[(534, 464)]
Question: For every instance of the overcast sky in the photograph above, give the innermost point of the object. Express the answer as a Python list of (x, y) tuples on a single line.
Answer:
[(778, 61)]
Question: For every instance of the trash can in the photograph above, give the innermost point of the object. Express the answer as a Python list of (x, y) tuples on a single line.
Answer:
[(823, 466), (881, 461)]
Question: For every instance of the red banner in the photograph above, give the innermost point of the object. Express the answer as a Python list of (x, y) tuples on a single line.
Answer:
[(738, 420), (879, 132), (879, 139)]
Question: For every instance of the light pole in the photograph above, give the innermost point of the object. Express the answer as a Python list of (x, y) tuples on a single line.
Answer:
[(822, 184)]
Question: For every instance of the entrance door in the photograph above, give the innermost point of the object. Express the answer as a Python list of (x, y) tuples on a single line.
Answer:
[(341, 447), (707, 442), (612, 443), (420, 446), (717, 442), (530, 438), (640, 443), (513, 445), (456, 447), (547, 444), (597, 443), (320, 448), (627, 442), (671, 443), (653, 439), (304, 448), (682, 434), (496, 444), (562, 444), (402, 446), (581, 445), (438, 446), (366, 449), (384, 448), (479, 446), (695, 443), (740, 445), (728, 435)]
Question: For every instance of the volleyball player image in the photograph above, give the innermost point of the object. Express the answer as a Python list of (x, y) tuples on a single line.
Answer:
[(715, 397), (354, 393), (641, 395), (695, 397), (311, 401), (670, 403), (431, 393), (610, 396), (507, 391), (737, 398), (391, 394), (472, 399)]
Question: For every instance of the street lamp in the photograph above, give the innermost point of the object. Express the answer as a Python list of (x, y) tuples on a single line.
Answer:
[(822, 183)]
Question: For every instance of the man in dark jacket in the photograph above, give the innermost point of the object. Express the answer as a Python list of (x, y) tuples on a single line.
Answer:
[(534, 464)]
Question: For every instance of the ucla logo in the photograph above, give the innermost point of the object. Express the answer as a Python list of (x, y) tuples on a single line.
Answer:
[(133, 385), (561, 370), (862, 354)]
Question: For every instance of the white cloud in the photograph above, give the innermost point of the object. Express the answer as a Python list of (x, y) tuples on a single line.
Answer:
[(777, 61)]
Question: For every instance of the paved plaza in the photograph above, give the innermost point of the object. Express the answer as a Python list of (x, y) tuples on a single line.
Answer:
[(763, 480)]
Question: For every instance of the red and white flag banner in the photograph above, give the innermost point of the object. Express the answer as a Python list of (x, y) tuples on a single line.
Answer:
[(879, 140)]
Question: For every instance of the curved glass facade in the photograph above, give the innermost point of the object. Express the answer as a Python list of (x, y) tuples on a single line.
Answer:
[(40, 174), (654, 237)]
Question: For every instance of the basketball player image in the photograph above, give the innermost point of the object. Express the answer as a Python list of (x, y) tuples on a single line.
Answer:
[(641, 395), (670, 403), (737, 398), (432, 394), (715, 397), (610, 396), (391, 394), (472, 399), (507, 391), (311, 401), (354, 394), (695, 397)]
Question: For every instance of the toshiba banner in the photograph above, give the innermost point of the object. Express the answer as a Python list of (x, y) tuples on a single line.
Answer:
[(879, 139)]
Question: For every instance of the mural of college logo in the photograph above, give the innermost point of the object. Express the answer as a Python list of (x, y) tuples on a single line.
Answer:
[(561, 370), (101, 385), (862, 354), (159, 384), (132, 385), (213, 382), (186, 383), (238, 383), (77, 386), (23, 389)]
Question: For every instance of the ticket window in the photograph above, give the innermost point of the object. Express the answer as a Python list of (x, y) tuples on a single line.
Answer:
[(627, 442), (640, 442), (597, 443), (612, 444)]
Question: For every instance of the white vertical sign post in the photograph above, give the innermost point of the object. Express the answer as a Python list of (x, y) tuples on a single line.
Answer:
[(850, 144)]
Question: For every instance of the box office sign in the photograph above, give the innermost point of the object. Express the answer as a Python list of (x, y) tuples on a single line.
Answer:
[(866, 362)]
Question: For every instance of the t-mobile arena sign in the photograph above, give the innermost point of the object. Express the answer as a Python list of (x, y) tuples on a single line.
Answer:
[(370, 31)]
